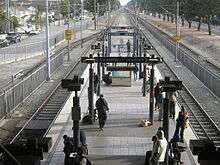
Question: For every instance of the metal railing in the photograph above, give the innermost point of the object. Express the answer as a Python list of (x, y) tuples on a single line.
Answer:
[(14, 96), (23, 51), (209, 79)]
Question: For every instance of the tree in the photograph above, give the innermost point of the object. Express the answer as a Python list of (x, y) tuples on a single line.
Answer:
[(64, 7), (3, 20), (15, 22)]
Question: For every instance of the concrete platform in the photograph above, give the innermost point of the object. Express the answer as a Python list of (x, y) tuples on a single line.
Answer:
[(122, 142)]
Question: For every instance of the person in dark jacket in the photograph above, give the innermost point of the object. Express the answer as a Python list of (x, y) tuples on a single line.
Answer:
[(96, 81), (156, 95), (81, 159), (102, 107), (68, 148)]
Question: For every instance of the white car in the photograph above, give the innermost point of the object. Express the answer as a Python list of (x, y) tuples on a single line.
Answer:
[(34, 32)]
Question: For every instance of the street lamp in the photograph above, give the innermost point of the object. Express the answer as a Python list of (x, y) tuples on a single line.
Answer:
[(177, 36), (81, 24), (177, 28), (47, 43)]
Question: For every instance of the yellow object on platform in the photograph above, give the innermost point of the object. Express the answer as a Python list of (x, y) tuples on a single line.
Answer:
[(68, 34), (176, 38)]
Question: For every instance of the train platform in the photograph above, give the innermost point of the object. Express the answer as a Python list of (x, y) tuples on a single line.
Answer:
[(123, 141)]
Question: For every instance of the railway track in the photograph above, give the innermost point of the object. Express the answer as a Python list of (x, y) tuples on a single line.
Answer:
[(49, 110), (62, 50), (47, 113), (201, 122)]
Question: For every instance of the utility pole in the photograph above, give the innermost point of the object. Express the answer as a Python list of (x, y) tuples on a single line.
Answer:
[(7, 16), (109, 9), (81, 35), (74, 15), (47, 43), (177, 28), (95, 14), (68, 57), (97, 20)]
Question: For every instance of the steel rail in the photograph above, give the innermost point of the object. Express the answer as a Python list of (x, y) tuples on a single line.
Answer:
[(199, 108)]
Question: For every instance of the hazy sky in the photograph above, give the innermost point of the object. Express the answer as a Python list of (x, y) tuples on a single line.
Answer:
[(124, 2)]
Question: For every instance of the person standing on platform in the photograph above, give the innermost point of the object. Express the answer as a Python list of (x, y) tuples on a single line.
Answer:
[(172, 102), (156, 95), (102, 107), (161, 98), (128, 47), (184, 124), (68, 148), (96, 81), (135, 72), (158, 155), (81, 159)]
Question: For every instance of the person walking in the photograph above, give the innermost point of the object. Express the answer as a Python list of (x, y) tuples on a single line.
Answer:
[(128, 44), (159, 152), (102, 107)]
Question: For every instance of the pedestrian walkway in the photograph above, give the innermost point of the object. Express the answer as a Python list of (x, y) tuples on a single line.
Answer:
[(207, 46), (122, 142)]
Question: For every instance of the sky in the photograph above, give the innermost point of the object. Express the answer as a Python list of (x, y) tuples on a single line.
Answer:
[(124, 2)]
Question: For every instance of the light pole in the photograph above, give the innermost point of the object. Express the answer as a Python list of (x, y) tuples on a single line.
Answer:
[(177, 36), (47, 43), (68, 58), (81, 24), (94, 14), (74, 15), (7, 16), (177, 28)]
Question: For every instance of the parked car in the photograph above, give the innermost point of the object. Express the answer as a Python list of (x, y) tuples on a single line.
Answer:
[(4, 43), (13, 38), (34, 32)]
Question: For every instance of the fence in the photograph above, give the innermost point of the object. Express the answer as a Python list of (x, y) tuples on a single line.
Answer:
[(19, 51), (23, 51), (209, 79), (13, 97)]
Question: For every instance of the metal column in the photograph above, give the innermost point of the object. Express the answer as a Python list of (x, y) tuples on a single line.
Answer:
[(151, 115), (76, 135), (144, 78), (134, 41), (109, 43), (166, 123), (140, 54), (91, 94), (99, 75)]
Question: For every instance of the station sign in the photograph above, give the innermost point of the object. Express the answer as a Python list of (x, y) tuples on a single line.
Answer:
[(154, 60)]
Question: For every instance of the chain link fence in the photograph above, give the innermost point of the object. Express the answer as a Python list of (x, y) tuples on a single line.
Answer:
[(209, 79)]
